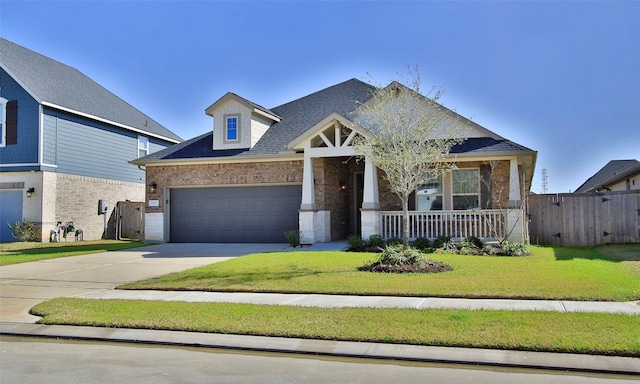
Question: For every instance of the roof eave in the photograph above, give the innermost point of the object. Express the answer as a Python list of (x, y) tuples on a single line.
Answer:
[(111, 122), (283, 156)]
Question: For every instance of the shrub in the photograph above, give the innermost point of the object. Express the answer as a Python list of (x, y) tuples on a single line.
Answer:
[(394, 241), (356, 243), (293, 238), (25, 231), (395, 255), (395, 259), (490, 250), (375, 241), (472, 241), (471, 251), (514, 249), (441, 241), (421, 243)]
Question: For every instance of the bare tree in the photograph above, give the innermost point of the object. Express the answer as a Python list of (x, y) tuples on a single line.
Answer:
[(411, 136)]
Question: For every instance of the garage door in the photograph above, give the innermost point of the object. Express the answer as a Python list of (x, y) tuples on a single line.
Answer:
[(10, 212), (234, 214)]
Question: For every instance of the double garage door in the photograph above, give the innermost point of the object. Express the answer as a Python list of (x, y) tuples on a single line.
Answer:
[(260, 214)]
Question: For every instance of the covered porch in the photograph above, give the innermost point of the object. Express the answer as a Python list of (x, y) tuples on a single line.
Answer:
[(343, 194)]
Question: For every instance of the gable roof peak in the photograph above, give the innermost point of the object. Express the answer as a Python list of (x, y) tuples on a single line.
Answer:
[(246, 102)]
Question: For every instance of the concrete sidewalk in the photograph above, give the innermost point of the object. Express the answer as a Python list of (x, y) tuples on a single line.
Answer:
[(336, 301)]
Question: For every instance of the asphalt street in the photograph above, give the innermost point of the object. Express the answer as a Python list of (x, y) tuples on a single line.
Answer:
[(29, 360)]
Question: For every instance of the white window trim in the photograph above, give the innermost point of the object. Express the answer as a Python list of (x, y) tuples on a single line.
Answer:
[(226, 127), (452, 194), (3, 121)]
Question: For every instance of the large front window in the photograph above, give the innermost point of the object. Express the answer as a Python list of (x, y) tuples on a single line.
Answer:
[(466, 188), (429, 196)]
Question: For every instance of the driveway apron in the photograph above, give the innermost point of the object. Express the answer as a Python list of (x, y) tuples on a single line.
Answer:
[(24, 285)]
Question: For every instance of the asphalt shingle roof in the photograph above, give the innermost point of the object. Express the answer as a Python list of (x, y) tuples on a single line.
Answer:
[(608, 174), (301, 114), (53, 82)]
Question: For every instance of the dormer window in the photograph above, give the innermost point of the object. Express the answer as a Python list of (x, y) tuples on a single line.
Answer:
[(232, 128)]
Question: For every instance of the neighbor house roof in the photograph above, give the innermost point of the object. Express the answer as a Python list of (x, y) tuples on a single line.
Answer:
[(615, 171), (299, 115), (60, 86)]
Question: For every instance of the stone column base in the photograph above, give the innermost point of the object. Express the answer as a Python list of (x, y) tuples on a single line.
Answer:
[(315, 226), (370, 223), (515, 224), (154, 227)]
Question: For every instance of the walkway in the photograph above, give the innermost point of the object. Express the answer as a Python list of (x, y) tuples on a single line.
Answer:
[(336, 301)]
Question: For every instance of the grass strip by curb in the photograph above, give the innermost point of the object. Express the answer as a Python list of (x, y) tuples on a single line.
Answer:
[(588, 333), (16, 253)]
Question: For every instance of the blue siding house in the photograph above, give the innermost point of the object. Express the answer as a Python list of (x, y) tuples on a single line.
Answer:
[(66, 143)]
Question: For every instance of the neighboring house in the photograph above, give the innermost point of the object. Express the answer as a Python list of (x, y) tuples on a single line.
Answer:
[(617, 175), (66, 143), (261, 172)]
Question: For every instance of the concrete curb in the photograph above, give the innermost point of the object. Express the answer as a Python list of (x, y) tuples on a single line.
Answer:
[(556, 361)]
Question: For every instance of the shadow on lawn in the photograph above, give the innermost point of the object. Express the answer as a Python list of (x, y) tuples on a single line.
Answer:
[(245, 277), (613, 252)]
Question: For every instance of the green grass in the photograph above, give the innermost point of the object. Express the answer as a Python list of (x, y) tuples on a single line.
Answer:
[(591, 333), (23, 252), (610, 273)]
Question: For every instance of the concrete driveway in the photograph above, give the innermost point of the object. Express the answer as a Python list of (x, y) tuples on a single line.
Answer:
[(24, 285)]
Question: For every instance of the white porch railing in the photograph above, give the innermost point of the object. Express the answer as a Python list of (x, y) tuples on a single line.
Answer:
[(485, 224)]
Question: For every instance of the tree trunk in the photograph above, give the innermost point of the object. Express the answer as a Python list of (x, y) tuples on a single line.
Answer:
[(405, 221)]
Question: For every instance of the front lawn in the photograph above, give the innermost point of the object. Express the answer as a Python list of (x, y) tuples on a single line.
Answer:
[(610, 273), (23, 252), (592, 333)]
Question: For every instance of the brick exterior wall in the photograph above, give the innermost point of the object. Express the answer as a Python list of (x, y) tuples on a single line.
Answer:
[(219, 174), (77, 200), (329, 174)]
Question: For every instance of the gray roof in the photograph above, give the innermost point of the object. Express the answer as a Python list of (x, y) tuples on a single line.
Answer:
[(613, 172), (52, 82), (300, 115)]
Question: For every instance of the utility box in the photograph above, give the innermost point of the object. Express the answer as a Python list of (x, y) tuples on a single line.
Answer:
[(102, 207)]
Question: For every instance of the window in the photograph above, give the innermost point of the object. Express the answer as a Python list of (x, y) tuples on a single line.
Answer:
[(143, 146), (466, 188), (3, 121), (232, 128), (429, 196)]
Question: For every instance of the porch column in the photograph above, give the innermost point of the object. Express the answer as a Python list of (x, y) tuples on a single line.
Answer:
[(369, 214), (308, 194), (514, 185), (370, 195)]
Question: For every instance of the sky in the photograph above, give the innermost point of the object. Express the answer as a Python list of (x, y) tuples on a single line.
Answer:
[(559, 77)]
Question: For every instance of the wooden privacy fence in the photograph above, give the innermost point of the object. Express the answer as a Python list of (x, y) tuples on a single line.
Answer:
[(585, 218), (129, 220)]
